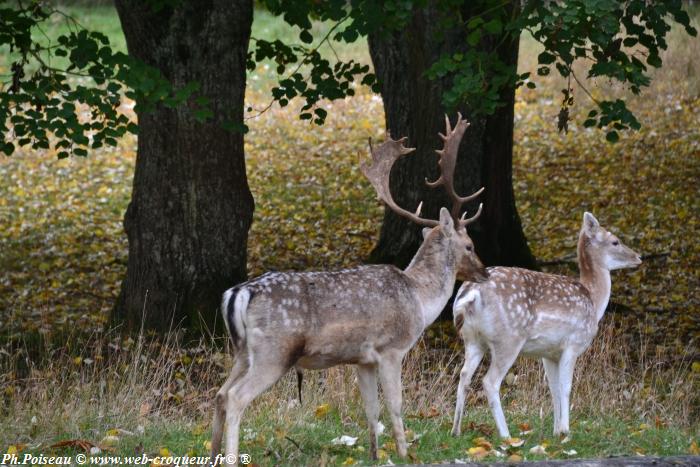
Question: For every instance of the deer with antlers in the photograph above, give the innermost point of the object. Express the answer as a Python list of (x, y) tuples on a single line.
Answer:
[(369, 316), (540, 315)]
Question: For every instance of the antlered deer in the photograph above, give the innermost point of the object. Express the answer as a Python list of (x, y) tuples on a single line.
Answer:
[(555, 318), (369, 316)]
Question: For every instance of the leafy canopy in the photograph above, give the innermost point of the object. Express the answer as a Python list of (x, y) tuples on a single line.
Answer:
[(40, 106), (619, 40), (39, 100)]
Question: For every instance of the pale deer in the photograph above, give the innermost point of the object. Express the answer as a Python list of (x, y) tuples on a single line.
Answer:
[(555, 318), (369, 316)]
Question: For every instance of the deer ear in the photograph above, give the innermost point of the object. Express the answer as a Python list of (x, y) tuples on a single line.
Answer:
[(426, 231), (447, 225), (590, 223)]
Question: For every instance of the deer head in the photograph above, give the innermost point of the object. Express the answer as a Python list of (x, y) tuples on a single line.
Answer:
[(605, 249), (451, 227)]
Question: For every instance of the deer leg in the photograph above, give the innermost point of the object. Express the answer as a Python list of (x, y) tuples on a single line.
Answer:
[(220, 404), (254, 382), (551, 370), (472, 357), (367, 379), (390, 376), (502, 358), (566, 375)]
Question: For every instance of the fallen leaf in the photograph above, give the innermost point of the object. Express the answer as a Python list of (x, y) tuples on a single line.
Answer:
[(694, 449), (515, 458), (477, 452), (483, 442), (109, 440), (525, 429), (570, 452), (512, 443), (83, 444), (538, 450), (322, 410), (344, 440)]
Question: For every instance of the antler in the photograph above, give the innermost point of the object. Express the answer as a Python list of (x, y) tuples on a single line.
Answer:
[(447, 163), (377, 172), (383, 157)]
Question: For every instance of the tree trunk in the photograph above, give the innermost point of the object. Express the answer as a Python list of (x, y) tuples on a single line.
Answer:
[(191, 208), (413, 108)]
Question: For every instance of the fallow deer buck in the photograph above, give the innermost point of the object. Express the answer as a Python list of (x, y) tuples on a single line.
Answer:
[(369, 316), (551, 317)]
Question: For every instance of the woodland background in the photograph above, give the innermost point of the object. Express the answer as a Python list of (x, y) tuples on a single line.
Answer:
[(67, 375)]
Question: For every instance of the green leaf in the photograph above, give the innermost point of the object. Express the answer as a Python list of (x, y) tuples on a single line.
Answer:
[(612, 136), (494, 26), (474, 37), (306, 36), (8, 148), (546, 58)]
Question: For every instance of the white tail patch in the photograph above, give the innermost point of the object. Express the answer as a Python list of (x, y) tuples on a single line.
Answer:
[(235, 313), (224, 307), (470, 301), (240, 306)]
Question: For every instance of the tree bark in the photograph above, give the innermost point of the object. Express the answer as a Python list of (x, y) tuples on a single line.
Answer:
[(191, 208), (413, 107)]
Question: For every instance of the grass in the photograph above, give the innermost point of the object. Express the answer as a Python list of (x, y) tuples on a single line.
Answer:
[(63, 253), (149, 397)]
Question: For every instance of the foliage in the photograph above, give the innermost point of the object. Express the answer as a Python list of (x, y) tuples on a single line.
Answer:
[(42, 107), (616, 40)]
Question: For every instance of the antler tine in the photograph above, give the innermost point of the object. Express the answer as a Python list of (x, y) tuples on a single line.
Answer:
[(465, 222), (448, 161), (377, 172)]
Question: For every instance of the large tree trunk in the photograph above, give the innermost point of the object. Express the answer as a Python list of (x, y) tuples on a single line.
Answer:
[(191, 207), (413, 108)]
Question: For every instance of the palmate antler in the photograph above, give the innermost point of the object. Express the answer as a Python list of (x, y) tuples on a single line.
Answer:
[(377, 172), (383, 157)]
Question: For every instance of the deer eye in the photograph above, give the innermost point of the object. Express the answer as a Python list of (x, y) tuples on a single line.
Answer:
[(469, 248), (615, 243)]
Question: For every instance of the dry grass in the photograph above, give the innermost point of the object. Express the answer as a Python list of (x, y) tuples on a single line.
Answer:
[(162, 393)]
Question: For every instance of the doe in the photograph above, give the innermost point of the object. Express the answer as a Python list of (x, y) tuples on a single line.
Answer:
[(555, 318)]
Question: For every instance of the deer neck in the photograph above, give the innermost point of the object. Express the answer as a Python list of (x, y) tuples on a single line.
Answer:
[(594, 277), (433, 272)]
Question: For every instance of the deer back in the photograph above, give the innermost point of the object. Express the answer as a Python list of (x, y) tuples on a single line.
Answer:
[(550, 312), (328, 317)]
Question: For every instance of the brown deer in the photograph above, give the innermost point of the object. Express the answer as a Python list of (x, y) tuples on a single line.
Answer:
[(540, 315), (369, 316)]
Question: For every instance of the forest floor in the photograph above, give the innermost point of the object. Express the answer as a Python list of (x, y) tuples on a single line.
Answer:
[(63, 254)]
